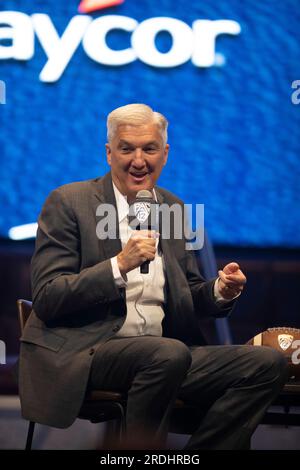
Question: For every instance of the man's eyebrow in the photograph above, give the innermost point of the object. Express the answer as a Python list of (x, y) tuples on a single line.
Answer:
[(125, 142), (152, 142)]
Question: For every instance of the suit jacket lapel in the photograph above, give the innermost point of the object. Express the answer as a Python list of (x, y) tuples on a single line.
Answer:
[(104, 193)]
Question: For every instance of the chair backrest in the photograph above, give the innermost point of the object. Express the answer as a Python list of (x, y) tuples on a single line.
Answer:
[(24, 310)]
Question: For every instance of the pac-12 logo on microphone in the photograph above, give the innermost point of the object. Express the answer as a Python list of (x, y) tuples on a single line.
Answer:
[(142, 211)]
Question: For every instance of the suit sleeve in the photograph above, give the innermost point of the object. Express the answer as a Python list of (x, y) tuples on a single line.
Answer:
[(59, 288), (203, 291)]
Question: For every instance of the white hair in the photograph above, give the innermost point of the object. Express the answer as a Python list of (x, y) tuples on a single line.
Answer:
[(135, 115)]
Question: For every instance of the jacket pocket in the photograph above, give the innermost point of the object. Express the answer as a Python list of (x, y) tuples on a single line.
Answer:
[(43, 337)]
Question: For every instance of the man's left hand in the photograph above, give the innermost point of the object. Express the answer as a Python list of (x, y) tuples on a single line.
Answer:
[(231, 281)]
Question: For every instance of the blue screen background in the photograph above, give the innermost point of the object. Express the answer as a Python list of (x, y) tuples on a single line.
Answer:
[(233, 130)]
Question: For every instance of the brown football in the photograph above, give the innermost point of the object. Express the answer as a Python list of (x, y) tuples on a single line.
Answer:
[(287, 341)]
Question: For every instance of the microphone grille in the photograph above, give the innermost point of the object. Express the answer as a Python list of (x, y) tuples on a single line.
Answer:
[(144, 193)]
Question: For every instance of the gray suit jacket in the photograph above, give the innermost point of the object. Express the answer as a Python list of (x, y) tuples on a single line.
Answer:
[(77, 306)]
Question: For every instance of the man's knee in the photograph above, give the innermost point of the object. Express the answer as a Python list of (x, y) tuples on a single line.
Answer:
[(272, 362), (173, 355)]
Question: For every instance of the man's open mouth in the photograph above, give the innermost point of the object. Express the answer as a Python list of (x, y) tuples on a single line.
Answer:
[(138, 176)]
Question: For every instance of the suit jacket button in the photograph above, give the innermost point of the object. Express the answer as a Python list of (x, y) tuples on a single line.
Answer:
[(92, 351), (116, 328)]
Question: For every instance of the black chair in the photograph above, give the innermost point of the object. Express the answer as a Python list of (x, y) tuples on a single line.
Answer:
[(110, 406)]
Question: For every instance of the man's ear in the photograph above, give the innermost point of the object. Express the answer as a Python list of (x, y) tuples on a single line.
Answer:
[(108, 154), (166, 153)]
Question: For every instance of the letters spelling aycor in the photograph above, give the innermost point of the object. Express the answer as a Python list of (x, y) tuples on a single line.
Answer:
[(196, 43)]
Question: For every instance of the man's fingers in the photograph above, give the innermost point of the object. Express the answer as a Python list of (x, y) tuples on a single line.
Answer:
[(226, 281), (145, 234), (239, 278), (231, 268), (232, 279), (148, 253), (142, 240)]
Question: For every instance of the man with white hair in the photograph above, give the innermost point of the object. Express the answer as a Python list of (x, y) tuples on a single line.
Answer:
[(99, 323)]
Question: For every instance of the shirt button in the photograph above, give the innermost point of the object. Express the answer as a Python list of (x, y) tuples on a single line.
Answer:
[(116, 328), (92, 351)]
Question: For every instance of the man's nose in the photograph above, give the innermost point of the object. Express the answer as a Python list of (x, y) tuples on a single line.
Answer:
[(138, 159)]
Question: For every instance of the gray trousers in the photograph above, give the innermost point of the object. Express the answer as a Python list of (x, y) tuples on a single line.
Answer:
[(236, 384)]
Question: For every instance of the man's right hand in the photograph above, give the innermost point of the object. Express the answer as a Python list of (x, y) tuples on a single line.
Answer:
[(140, 247)]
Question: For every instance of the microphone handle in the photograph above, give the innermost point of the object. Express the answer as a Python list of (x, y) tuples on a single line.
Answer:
[(144, 268)]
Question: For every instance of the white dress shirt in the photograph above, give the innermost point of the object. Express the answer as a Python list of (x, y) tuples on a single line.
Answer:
[(145, 293)]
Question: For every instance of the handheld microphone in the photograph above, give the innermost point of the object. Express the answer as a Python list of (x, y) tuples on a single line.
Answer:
[(143, 215)]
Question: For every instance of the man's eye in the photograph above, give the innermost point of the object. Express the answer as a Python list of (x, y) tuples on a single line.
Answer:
[(126, 149), (150, 149)]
